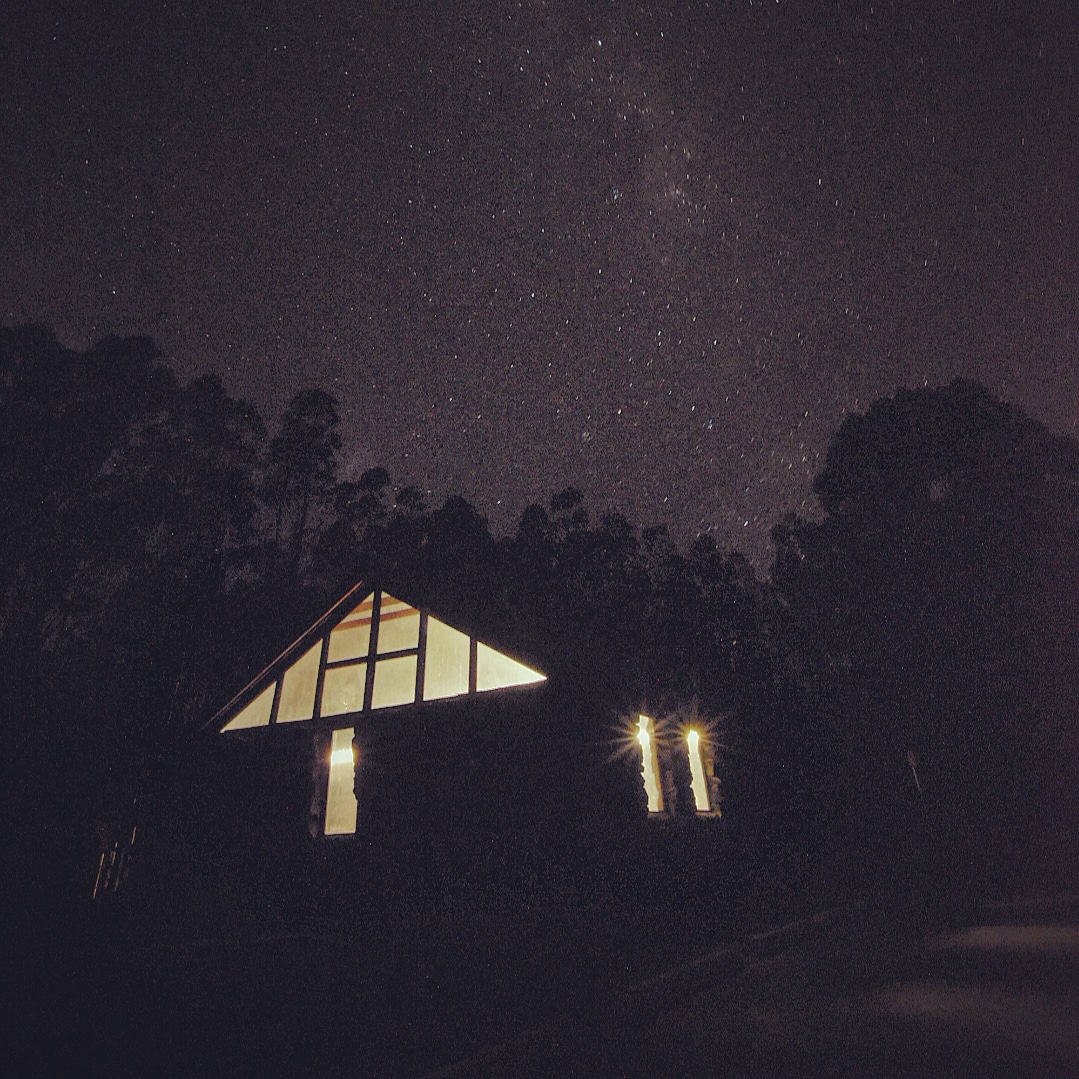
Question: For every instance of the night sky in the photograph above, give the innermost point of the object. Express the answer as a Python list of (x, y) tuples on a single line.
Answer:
[(657, 251)]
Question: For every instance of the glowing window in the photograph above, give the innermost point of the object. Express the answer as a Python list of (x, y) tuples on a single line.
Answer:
[(257, 713), (395, 682), (445, 672), (496, 671), (398, 625), (341, 787), (331, 677), (646, 736), (351, 638), (698, 784), (343, 688), (298, 687)]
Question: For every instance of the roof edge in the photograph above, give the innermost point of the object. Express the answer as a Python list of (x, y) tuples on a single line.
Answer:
[(297, 645)]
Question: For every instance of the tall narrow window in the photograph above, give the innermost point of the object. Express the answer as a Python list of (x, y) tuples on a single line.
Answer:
[(646, 736), (340, 791), (698, 783)]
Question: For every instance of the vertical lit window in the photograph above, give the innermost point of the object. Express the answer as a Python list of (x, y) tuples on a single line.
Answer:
[(646, 735), (340, 790), (698, 784)]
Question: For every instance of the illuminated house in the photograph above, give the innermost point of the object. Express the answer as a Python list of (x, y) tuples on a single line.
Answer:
[(481, 813), (387, 721), (371, 658)]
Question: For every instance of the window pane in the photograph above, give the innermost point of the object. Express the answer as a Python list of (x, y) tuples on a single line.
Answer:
[(398, 625), (495, 671), (395, 682), (342, 689), (696, 771), (341, 789), (445, 672), (646, 736), (256, 714), (298, 688), (352, 636)]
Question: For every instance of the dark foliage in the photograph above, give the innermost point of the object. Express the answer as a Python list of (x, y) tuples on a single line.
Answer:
[(897, 703), (903, 689), (928, 623), (160, 550)]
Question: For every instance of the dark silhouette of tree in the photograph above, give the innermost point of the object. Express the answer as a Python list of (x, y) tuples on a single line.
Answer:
[(164, 555), (62, 413), (351, 546), (301, 469), (458, 564), (175, 506), (929, 618), (123, 530)]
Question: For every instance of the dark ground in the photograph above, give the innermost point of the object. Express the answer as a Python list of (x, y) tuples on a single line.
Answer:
[(874, 987), (848, 993)]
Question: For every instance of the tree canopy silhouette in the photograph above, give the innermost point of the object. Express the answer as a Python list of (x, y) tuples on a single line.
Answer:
[(930, 619), (911, 664)]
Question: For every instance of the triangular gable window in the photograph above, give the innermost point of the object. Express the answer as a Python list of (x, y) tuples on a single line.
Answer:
[(382, 653)]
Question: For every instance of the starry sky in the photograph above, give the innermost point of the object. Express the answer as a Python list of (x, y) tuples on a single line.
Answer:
[(654, 250)]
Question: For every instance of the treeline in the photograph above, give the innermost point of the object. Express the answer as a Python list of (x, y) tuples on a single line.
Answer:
[(907, 679), (930, 623)]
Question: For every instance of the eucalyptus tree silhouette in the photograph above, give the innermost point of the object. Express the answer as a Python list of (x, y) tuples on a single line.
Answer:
[(301, 468), (932, 612)]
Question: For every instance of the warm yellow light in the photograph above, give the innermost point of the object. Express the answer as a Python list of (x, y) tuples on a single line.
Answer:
[(340, 787), (256, 714), (395, 682), (650, 764), (494, 670), (698, 783), (298, 687), (342, 756)]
